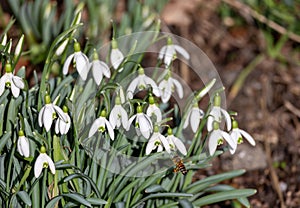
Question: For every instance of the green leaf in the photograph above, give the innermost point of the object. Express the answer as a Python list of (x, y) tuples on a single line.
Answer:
[(204, 183), (53, 201), (185, 203), (96, 201), (24, 197), (78, 198), (4, 139), (163, 195), (154, 188), (222, 196)]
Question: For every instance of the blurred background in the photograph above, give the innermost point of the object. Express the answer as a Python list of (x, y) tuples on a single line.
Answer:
[(254, 45)]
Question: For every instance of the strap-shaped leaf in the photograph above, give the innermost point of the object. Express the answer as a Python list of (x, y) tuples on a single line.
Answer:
[(24, 197), (222, 196)]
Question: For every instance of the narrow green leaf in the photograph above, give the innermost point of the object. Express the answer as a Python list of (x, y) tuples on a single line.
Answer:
[(53, 201), (126, 190), (96, 201), (206, 182), (2, 111), (4, 140), (154, 188), (171, 205), (24, 197), (185, 203), (78, 198), (222, 196)]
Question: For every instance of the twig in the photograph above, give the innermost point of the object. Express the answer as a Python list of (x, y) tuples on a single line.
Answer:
[(270, 23), (292, 108)]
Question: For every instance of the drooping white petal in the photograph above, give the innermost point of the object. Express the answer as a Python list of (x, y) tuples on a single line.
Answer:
[(113, 117), (179, 145), (60, 113), (145, 124), (82, 64), (165, 143), (97, 72), (67, 64), (105, 69), (15, 90), (196, 115), (18, 81), (160, 148), (95, 126), (228, 139), (154, 86), (165, 90), (227, 119), (23, 146), (48, 116), (170, 52), (38, 165), (178, 87), (209, 124), (248, 137), (130, 121), (182, 51), (2, 84), (124, 117), (162, 52), (40, 118), (186, 122), (116, 58), (150, 145), (132, 86), (110, 130), (61, 126), (234, 136), (154, 110), (50, 163), (213, 142)]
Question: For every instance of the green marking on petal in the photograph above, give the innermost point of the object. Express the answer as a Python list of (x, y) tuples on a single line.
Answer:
[(240, 140), (220, 141), (8, 84), (101, 129), (157, 143), (45, 165)]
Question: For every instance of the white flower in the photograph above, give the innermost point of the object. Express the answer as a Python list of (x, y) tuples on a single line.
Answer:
[(23, 145), (48, 113), (61, 125), (216, 114), (80, 60), (99, 68), (43, 161), (157, 141), (237, 136), (193, 118), (9, 80), (168, 52), (175, 143), (118, 115), (4, 40), (153, 110), (167, 86), (143, 124), (116, 56), (101, 124), (141, 82), (216, 138)]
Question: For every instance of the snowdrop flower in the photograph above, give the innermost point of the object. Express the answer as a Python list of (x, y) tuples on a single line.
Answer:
[(118, 115), (101, 124), (116, 56), (153, 110), (141, 82), (11, 81), (168, 52), (167, 86), (23, 144), (61, 125), (43, 161), (80, 60), (216, 138), (4, 40), (175, 143), (48, 113), (143, 124), (237, 136), (158, 142), (193, 117), (216, 114), (99, 68)]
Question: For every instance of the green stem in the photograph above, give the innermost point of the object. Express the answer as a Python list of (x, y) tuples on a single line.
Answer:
[(44, 188), (23, 179), (9, 169)]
